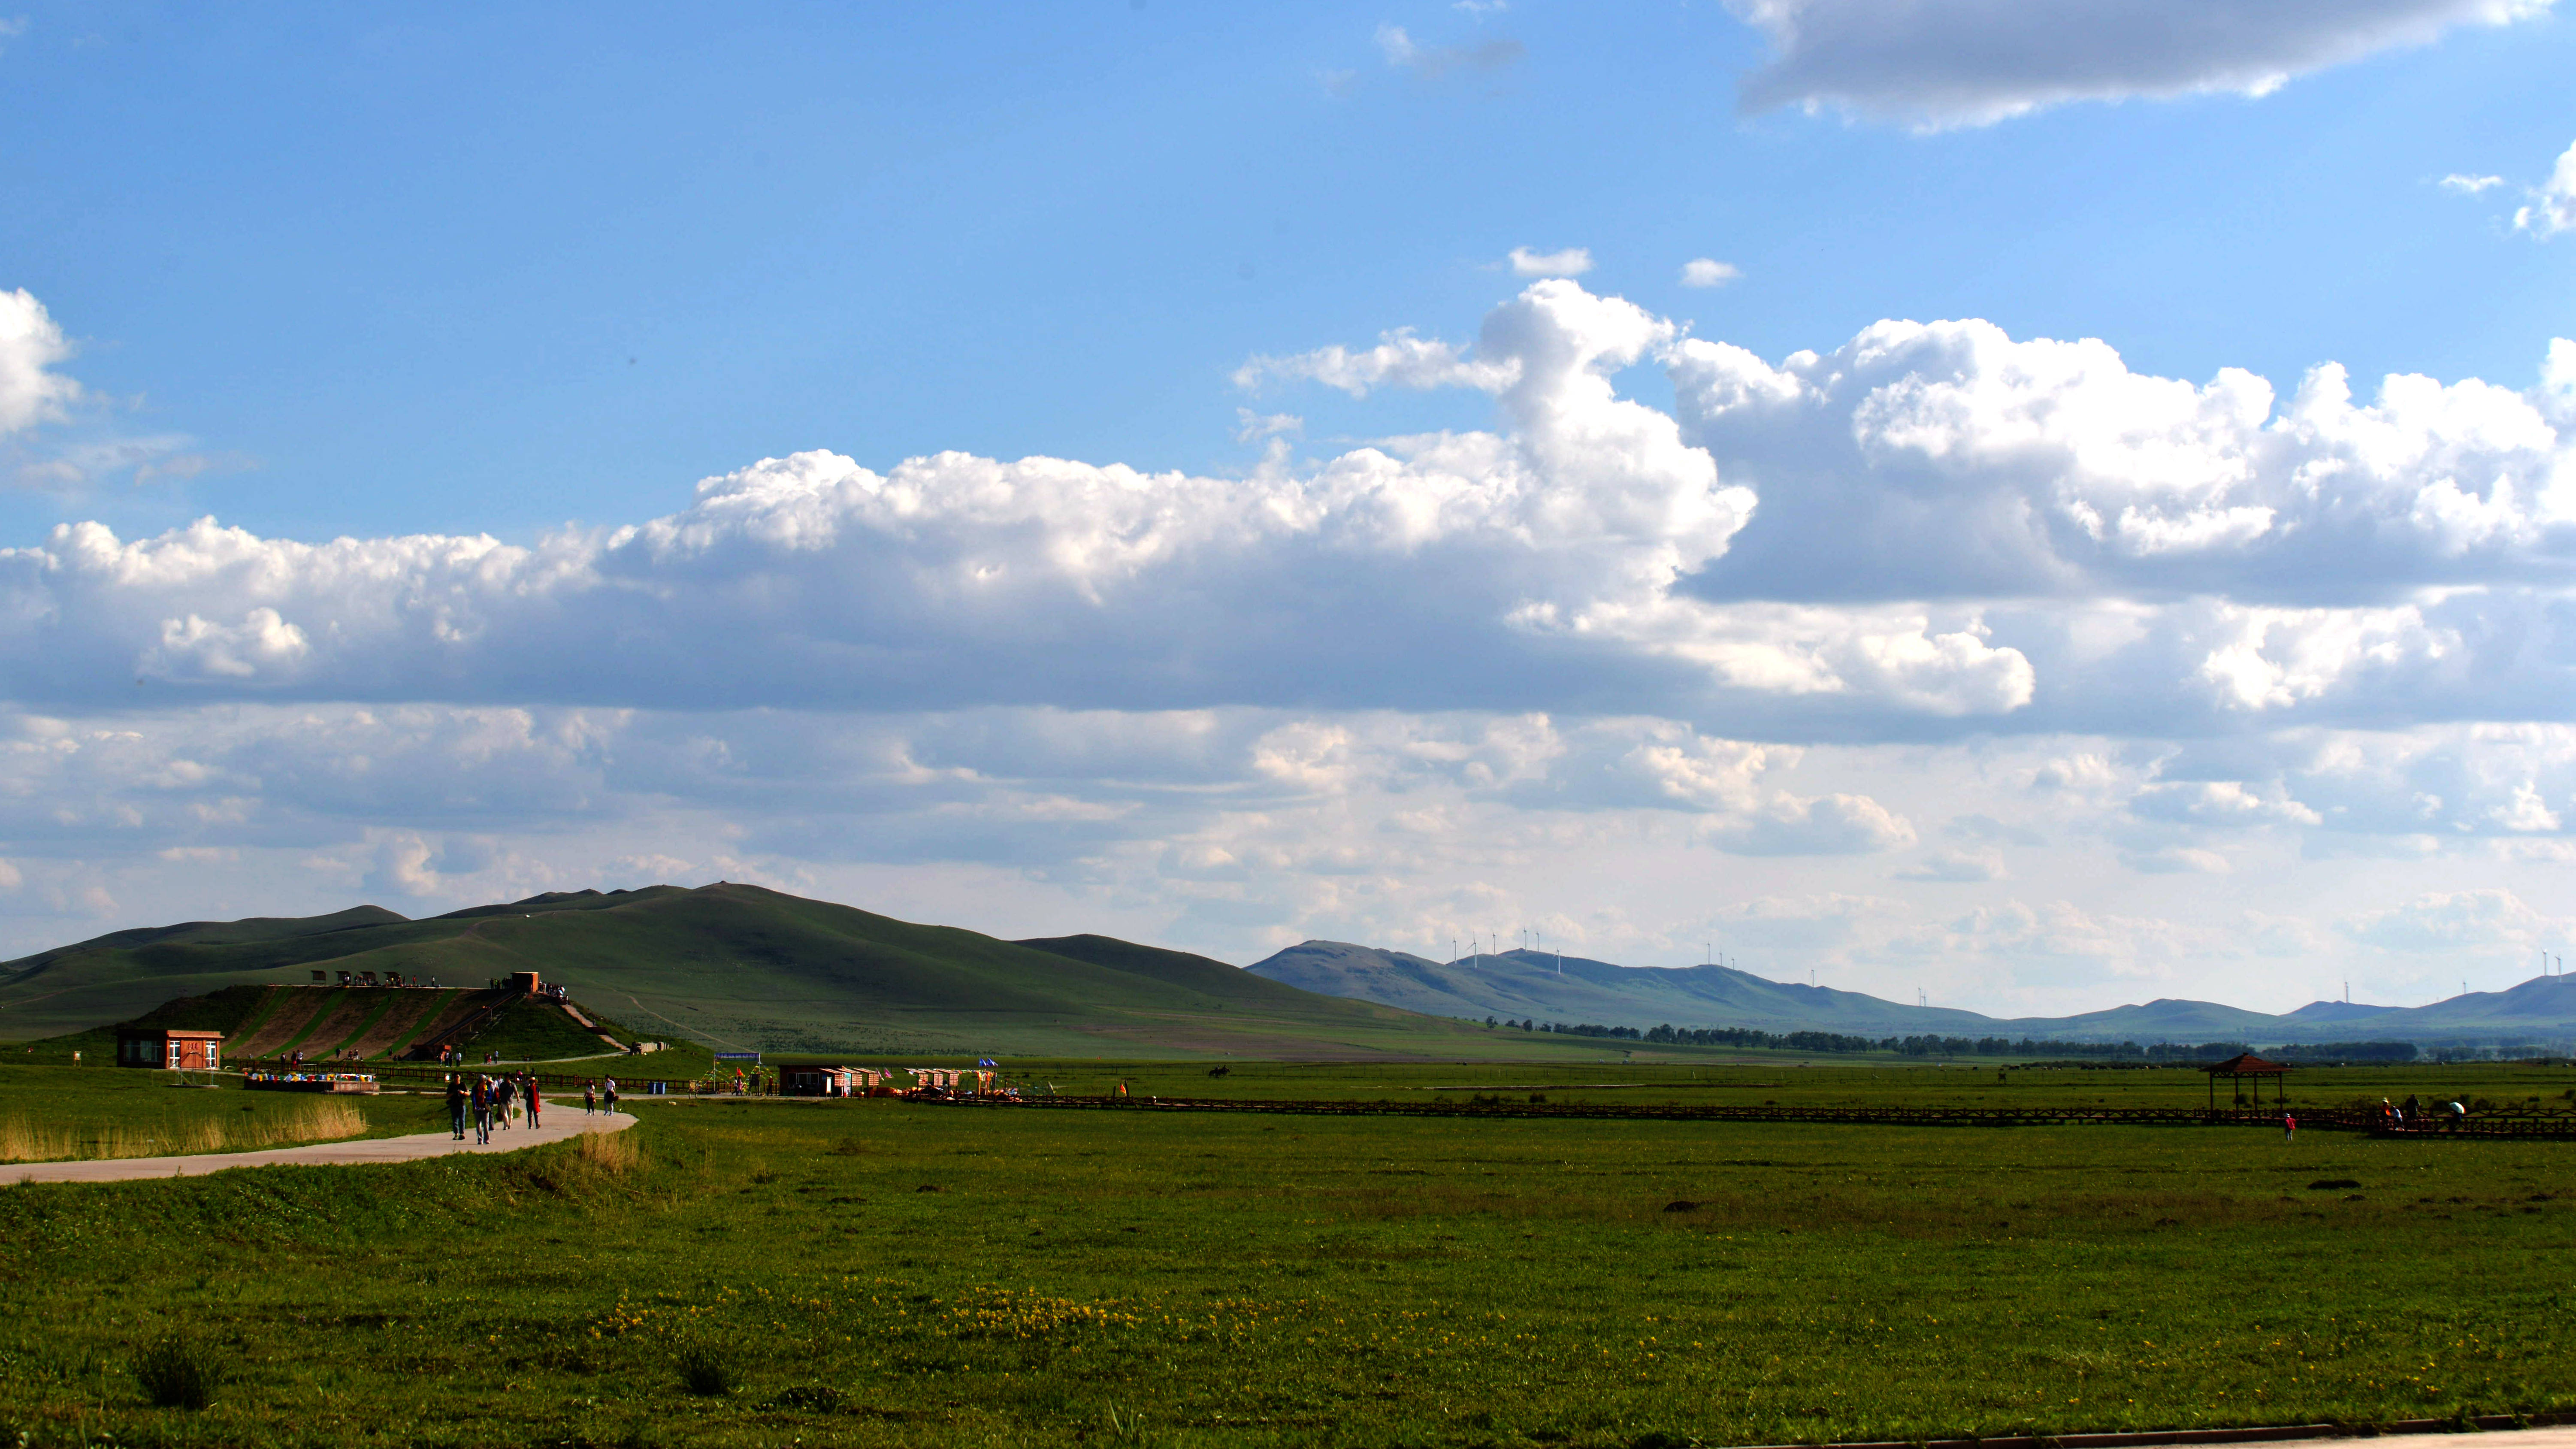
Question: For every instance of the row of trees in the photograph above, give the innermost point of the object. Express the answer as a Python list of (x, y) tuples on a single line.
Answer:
[(1961, 1046), (2349, 1051), (1622, 1033)]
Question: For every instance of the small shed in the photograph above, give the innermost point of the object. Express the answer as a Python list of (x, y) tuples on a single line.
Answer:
[(170, 1050), (2242, 1067), (525, 983)]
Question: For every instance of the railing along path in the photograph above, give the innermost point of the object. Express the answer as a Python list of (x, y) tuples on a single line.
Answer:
[(432, 1074)]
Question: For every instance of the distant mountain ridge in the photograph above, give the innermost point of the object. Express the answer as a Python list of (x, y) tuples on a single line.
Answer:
[(1521, 983), (732, 965)]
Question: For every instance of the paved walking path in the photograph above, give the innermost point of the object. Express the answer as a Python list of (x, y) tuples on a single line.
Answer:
[(564, 1127)]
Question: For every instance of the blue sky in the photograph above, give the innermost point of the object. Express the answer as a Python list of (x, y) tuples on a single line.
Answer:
[(1969, 657)]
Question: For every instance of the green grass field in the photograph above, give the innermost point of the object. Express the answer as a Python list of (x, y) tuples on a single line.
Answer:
[(876, 1272), (1719, 1077), (58, 1114)]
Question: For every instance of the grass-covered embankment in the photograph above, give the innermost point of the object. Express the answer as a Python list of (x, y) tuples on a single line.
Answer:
[(878, 1273), (529, 1029)]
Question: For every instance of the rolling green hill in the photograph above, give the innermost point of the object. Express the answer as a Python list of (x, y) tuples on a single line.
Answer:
[(332, 1024), (736, 966), (1523, 983), (120, 976), (739, 967)]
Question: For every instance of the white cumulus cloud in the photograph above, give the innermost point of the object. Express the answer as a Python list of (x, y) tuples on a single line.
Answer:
[(1571, 262), (1708, 272), (2176, 859), (2303, 655), (1829, 825), (2552, 208), (1937, 63), (1508, 558), (2320, 552), (1399, 359), (1933, 522), (2449, 920), (31, 346), (1958, 867), (1434, 61)]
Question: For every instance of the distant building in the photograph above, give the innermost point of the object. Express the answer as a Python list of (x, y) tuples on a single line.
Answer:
[(177, 1051), (827, 1081)]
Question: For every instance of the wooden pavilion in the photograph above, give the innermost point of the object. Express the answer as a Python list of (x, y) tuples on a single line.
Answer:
[(2241, 1066)]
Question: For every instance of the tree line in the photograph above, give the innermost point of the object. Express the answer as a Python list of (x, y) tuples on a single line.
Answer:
[(1961, 1046)]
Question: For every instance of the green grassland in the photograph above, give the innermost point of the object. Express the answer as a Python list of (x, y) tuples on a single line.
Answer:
[(1584, 1073), (166, 1112), (536, 1031), (876, 1272)]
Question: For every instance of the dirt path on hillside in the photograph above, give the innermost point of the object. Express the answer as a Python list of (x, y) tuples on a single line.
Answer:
[(706, 1038), (566, 1126)]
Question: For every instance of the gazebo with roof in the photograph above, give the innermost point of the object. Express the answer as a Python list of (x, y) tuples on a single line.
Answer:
[(2241, 1066)]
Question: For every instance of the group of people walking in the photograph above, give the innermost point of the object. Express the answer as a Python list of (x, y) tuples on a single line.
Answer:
[(483, 1103)]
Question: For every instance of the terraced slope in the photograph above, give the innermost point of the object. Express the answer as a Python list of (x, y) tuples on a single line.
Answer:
[(366, 1024), (290, 1018), (436, 1026)]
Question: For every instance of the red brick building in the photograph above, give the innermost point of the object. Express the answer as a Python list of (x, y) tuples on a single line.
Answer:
[(177, 1051)]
